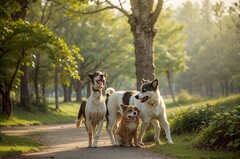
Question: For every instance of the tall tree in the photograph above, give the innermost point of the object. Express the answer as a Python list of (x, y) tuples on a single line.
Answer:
[(170, 54), (141, 18)]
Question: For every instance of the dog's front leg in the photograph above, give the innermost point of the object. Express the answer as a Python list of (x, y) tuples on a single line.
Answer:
[(126, 139), (97, 134), (142, 130), (89, 130)]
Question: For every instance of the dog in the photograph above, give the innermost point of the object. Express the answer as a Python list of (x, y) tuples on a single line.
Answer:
[(94, 109), (151, 106), (127, 130)]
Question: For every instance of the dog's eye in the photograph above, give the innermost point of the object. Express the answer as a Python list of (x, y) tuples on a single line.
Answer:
[(129, 111), (144, 90)]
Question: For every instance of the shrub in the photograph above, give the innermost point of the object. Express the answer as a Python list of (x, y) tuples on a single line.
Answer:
[(148, 136), (184, 97), (223, 132), (192, 119)]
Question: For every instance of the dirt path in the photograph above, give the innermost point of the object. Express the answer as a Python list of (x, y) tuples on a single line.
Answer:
[(65, 141)]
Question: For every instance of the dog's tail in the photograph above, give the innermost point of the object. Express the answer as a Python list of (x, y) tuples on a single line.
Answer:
[(81, 114), (108, 92)]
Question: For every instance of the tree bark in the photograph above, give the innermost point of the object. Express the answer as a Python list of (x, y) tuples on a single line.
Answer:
[(35, 81), (56, 89), (65, 93), (24, 97), (142, 23)]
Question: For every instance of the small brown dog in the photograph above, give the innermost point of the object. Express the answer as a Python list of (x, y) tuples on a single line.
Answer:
[(127, 130)]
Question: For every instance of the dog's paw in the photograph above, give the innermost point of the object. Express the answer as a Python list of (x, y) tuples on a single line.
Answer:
[(170, 142), (137, 145), (127, 145)]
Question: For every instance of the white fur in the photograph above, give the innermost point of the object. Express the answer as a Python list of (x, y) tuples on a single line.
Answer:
[(153, 110), (95, 111)]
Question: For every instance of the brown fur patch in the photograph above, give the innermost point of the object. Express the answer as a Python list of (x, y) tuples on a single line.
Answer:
[(129, 122)]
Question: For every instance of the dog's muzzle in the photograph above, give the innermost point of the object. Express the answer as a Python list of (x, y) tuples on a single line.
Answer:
[(142, 99)]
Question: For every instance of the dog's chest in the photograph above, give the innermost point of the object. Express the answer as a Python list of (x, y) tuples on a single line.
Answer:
[(132, 126)]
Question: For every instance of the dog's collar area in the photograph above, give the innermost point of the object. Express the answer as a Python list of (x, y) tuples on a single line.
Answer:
[(95, 90), (154, 103)]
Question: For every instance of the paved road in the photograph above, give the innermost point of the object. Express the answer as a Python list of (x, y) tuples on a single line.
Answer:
[(65, 141)]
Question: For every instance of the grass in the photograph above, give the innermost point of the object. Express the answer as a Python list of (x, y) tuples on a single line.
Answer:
[(66, 113), (228, 102), (14, 145), (182, 149)]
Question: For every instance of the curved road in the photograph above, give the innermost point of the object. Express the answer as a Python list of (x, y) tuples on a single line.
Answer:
[(65, 141)]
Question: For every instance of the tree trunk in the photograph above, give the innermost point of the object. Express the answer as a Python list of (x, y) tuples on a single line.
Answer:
[(170, 82), (226, 87), (144, 54), (56, 89), (7, 105), (65, 93), (36, 78), (24, 97), (222, 88), (88, 88), (142, 23), (70, 91), (78, 90)]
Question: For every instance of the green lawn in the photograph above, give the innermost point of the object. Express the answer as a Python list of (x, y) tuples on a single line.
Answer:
[(67, 113), (13, 145)]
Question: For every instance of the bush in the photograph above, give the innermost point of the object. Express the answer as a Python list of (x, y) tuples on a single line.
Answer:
[(223, 132), (148, 136), (185, 98), (192, 119)]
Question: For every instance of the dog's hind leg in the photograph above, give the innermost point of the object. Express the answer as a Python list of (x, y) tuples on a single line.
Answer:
[(111, 128), (142, 130), (157, 129), (166, 127)]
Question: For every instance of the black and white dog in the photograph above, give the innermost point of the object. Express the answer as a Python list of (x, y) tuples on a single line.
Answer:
[(151, 106), (94, 109)]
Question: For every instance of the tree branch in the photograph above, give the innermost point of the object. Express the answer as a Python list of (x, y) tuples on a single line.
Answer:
[(156, 13)]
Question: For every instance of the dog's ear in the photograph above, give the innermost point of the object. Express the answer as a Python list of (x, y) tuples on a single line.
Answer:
[(144, 81), (136, 108), (90, 75), (123, 107), (155, 83)]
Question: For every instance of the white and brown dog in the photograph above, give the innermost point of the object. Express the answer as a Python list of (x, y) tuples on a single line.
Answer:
[(127, 129), (151, 106), (94, 109)]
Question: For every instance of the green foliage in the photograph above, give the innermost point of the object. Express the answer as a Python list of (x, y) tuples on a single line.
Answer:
[(191, 120), (183, 149), (223, 132), (185, 98), (148, 135), (20, 37), (169, 44), (211, 34)]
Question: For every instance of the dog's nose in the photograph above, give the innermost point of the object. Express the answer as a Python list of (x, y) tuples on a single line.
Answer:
[(136, 96), (101, 76), (134, 113)]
